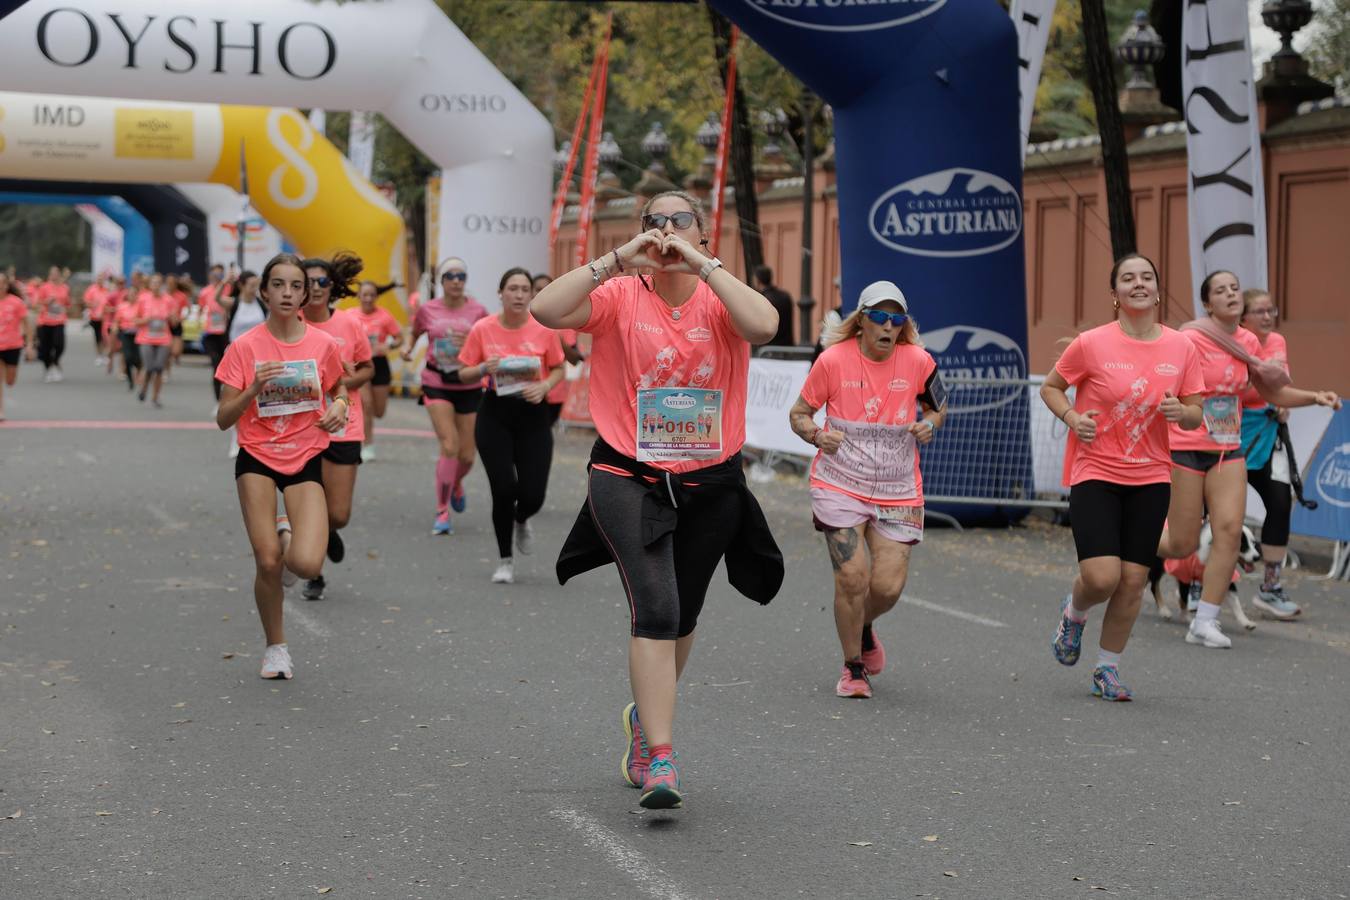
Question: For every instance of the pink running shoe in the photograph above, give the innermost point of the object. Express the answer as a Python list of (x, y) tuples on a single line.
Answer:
[(874, 660), (854, 682), (661, 787), (636, 756)]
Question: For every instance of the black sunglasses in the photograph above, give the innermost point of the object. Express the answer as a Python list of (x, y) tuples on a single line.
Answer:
[(321, 281), (455, 276), (658, 220)]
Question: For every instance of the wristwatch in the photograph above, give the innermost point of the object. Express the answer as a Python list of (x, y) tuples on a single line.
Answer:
[(708, 268)]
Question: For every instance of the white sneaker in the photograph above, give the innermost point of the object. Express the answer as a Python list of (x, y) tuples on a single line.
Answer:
[(48, 377), (1208, 633), (276, 662), (57, 375), (288, 578), (524, 538), (506, 572)]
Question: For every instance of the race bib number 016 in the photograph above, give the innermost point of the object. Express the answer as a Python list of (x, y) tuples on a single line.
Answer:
[(874, 461), (295, 390), (676, 424)]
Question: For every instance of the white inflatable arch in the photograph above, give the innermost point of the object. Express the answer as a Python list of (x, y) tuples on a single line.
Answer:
[(401, 58)]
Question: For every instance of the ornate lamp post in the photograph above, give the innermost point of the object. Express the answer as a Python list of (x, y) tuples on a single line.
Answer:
[(707, 137), (656, 145), (1287, 17), (609, 153), (1139, 48)]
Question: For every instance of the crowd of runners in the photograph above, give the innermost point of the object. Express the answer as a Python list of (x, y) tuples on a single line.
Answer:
[(1166, 430)]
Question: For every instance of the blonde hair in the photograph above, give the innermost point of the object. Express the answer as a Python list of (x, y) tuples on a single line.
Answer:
[(1251, 294), (852, 327), (695, 206)]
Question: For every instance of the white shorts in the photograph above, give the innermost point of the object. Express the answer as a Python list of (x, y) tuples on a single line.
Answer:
[(835, 509)]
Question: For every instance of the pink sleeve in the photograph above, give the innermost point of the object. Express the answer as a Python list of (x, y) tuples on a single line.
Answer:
[(419, 322), (1073, 363), (604, 308), (330, 368), (233, 368), (554, 355), (1192, 375), (391, 326), (471, 354), (816, 391), (357, 335)]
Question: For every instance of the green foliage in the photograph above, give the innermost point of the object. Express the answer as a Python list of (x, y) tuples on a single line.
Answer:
[(1064, 99), (1329, 51), (36, 237)]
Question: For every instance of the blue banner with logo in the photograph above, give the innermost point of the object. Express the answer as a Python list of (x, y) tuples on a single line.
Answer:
[(929, 175), (1327, 480)]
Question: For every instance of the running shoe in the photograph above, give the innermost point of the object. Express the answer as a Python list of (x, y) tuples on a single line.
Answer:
[(1207, 633), (459, 501), (636, 756), (314, 588), (1068, 640), (140, 396), (337, 551), (1276, 604), (853, 681), (506, 572), (661, 786), (1106, 684), (57, 375), (276, 662), (524, 538), (367, 453), (288, 578), (47, 377), (874, 660), (157, 404), (442, 525)]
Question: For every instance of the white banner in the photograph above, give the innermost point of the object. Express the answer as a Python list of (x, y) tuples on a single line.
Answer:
[(222, 205), (1032, 20), (318, 120), (361, 143), (108, 241), (772, 387), (1225, 191)]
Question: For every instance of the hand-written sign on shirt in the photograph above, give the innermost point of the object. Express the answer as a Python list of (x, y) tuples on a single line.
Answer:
[(874, 461)]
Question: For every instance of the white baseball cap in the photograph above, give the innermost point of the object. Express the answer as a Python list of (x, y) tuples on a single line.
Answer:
[(879, 292)]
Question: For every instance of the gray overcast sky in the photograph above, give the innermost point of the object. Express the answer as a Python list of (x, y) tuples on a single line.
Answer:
[(1265, 42)]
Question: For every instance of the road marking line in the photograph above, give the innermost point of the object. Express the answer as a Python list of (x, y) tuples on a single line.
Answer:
[(307, 622), (630, 862), (958, 613)]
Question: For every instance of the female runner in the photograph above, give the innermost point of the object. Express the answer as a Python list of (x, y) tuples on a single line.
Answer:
[(179, 298), (329, 282), (1207, 464), (245, 312), (124, 320), (215, 322), (451, 402), (1133, 376), (53, 304), (523, 361), (665, 507), (156, 314), (95, 305), (282, 386), (384, 334), (879, 387), (15, 335)]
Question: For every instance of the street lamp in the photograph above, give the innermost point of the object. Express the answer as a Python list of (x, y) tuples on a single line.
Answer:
[(707, 137), (656, 145), (1139, 48), (563, 154), (609, 153), (1287, 17)]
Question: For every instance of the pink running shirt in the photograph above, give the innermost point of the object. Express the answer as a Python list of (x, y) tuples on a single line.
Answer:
[(353, 348), (873, 403), (1225, 380), (446, 329), (53, 302), (489, 338), (214, 316), (568, 337), (282, 442), (1124, 380), (95, 300), (158, 310), (638, 343), (12, 313), (1273, 350), (379, 327)]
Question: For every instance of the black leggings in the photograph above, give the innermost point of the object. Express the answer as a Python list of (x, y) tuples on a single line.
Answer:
[(515, 444), (131, 355), (214, 347), (667, 581), (1120, 520), (1279, 500), (51, 344), (97, 325)]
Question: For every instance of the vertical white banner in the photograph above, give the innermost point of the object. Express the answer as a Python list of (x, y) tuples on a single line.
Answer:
[(1226, 204), (108, 240), (1031, 18), (361, 143)]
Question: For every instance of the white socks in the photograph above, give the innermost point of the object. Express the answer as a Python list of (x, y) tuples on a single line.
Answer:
[(1107, 658), (1207, 612)]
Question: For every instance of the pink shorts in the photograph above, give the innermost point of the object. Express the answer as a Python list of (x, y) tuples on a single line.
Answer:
[(835, 509)]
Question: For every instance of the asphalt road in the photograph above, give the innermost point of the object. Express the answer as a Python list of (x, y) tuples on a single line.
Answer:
[(446, 737)]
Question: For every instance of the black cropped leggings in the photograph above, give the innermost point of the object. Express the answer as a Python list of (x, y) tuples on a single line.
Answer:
[(51, 344), (214, 347), (1279, 500), (667, 581), (131, 355), (515, 443)]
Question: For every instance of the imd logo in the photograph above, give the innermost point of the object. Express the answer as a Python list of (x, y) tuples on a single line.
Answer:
[(1333, 477), (955, 212), (845, 15)]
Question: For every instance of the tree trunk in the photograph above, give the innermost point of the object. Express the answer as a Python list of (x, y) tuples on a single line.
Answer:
[(742, 154), (1115, 164)]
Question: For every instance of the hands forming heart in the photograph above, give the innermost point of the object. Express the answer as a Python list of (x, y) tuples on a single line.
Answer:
[(662, 253)]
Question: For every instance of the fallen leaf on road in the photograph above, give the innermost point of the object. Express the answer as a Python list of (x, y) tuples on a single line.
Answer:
[(102, 813), (394, 608), (860, 843), (1098, 887), (372, 554), (1232, 803), (38, 542), (48, 731), (386, 621), (179, 705), (949, 873), (227, 656), (180, 721), (17, 814), (930, 838), (1078, 878), (458, 765), (324, 890), (53, 684)]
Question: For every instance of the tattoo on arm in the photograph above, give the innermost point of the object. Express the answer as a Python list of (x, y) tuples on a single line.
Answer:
[(842, 544)]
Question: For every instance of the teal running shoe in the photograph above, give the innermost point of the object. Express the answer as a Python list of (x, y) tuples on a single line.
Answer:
[(1068, 640), (1106, 684), (661, 787)]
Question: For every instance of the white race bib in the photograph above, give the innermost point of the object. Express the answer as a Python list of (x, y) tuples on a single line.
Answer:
[(295, 390), (676, 424)]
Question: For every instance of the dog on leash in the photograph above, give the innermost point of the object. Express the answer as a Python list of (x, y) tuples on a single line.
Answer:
[(1191, 569)]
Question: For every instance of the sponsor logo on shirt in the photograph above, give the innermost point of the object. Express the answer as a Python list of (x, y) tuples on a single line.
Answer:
[(649, 329), (1166, 369), (898, 384), (1119, 365), (699, 335), (851, 384)]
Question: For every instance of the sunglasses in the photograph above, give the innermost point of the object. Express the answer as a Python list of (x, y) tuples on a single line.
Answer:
[(881, 317), (455, 276), (658, 220), (321, 281)]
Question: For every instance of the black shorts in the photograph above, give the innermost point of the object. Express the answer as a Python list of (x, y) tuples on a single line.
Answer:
[(248, 464), (11, 357), (464, 402), (383, 376), (343, 453), (176, 330), (1121, 520), (1201, 461)]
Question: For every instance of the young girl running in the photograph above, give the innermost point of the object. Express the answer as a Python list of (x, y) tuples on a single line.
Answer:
[(1133, 377), (15, 335), (451, 402), (880, 389), (665, 507), (523, 361), (282, 386), (1208, 471), (156, 313), (53, 305), (329, 282), (384, 334)]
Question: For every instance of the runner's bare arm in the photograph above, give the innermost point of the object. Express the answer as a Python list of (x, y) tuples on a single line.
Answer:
[(566, 302), (361, 374), (801, 419), (1290, 397)]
